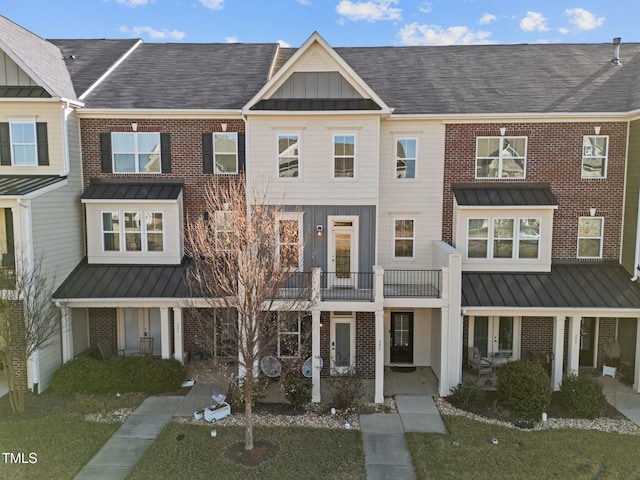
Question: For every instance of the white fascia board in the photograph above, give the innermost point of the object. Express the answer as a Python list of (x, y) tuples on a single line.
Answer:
[(63, 100), (516, 117), (284, 72), (129, 201), (110, 70), (383, 112), (160, 113), (506, 207), (551, 312), (137, 302)]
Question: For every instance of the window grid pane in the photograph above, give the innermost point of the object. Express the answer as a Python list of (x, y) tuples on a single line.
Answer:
[(23, 144), (477, 235), (155, 237), (404, 238), (344, 156), (136, 152), (590, 233), (406, 157), (594, 156), (111, 231), (288, 156), (500, 157), (133, 232), (225, 148)]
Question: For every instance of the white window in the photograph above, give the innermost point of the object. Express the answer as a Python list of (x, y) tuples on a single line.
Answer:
[(288, 156), (139, 236), (406, 156), (136, 152), (590, 234), (24, 149), (289, 241), (594, 156), (289, 334), (344, 156), (496, 338), (404, 238), (225, 153), (503, 238), (223, 231), (501, 157)]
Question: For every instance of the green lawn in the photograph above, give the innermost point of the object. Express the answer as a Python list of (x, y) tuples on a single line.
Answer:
[(562, 454), (304, 453), (54, 429)]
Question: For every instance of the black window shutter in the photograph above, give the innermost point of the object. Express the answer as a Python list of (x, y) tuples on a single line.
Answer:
[(5, 145), (43, 143), (106, 163), (207, 153), (241, 152), (165, 152)]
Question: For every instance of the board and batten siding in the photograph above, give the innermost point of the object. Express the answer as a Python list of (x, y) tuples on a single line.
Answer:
[(419, 199), (315, 184), (632, 191), (46, 112), (57, 231), (12, 75)]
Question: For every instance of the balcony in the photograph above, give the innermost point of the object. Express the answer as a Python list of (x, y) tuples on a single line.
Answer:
[(412, 283)]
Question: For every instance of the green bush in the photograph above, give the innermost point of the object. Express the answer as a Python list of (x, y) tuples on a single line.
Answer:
[(524, 388), (583, 396), (119, 375), (298, 391), (466, 394), (347, 390)]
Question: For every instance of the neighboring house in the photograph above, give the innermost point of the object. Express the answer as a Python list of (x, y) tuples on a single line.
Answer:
[(40, 181)]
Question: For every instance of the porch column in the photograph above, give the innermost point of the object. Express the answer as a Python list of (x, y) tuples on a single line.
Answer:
[(315, 356), (67, 334), (558, 344), (379, 389), (573, 347), (178, 338), (165, 333), (636, 375)]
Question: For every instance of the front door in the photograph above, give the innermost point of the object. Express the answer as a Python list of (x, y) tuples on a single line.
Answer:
[(401, 337), (343, 255), (587, 341), (343, 343), (494, 336)]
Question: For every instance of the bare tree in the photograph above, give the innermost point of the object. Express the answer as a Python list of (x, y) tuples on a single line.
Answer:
[(246, 257), (29, 321)]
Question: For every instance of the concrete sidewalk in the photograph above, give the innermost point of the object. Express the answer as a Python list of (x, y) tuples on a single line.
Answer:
[(622, 397), (385, 449)]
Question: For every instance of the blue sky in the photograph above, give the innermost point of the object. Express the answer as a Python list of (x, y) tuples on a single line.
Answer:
[(340, 22)]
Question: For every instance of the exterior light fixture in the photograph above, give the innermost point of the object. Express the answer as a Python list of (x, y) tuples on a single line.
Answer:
[(319, 229)]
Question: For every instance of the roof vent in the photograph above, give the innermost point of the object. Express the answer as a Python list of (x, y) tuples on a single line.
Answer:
[(616, 51)]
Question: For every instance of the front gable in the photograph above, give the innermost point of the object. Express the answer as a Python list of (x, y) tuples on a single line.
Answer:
[(317, 74)]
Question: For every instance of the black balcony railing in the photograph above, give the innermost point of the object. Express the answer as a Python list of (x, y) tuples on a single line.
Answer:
[(413, 283), (347, 286), (298, 286)]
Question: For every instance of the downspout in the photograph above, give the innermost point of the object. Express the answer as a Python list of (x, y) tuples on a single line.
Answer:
[(636, 257), (65, 140)]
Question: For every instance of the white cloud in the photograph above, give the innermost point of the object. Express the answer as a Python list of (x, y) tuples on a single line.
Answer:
[(231, 40), (563, 30), (212, 4), (534, 22), (304, 2), (426, 7), (371, 11), (487, 18), (134, 3), (583, 19), (416, 34), (154, 34), (283, 44)]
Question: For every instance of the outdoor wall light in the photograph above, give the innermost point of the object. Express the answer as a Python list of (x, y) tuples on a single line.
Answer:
[(319, 229)]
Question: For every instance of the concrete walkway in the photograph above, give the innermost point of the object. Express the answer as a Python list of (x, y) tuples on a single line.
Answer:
[(385, 449), (622, 397)]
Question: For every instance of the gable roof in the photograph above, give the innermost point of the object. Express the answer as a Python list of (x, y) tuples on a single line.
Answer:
[(39, 59), (186, 76), (88, 60)]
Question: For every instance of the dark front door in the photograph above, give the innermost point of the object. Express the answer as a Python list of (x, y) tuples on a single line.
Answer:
[(587, 341), (401, 337)]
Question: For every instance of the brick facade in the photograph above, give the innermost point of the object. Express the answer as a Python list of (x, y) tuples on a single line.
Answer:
[(554, 155), (103, 324)]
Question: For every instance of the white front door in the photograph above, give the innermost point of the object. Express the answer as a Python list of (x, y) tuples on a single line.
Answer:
[(496, 336), (343, 252), (343, 342), (135, 323)]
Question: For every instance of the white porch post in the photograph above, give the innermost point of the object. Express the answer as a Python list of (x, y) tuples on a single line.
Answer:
[(558, 344), (379, 389), (316, 396), (573, 347), (636, 375), (67, 335), (178, 337), (165, 333)]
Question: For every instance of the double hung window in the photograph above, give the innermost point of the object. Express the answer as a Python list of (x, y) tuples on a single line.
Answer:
[(225, 152), (288, 242), (136, 152), (590, 235), (404, 238), (24, 147), (496, 238), (289, 156), (406, 151), (594, 156), (132, 231), (344, 156), (501, 157)]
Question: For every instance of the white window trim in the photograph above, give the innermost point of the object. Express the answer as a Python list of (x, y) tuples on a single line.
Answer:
[(601, 238), (35, 144), (393, 234), (298, 217), (297, 333), (136, 154), (333, 156), (216, 214), (500, 167), (278, 155), (143, 233), (517, 329), (515, 252), (215, 167), (605, 158), (396, 139)]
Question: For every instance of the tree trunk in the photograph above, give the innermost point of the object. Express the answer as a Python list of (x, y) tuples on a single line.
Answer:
[(248, 413)]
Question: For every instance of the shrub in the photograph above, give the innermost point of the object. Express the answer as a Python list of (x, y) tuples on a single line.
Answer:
[(126, 374), (524, 388), (466, 394), (298, 391), (347, 390), (583, 396)]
